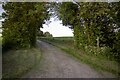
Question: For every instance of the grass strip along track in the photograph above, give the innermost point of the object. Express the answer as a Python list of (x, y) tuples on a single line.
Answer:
[(17, 62), (100, 63)]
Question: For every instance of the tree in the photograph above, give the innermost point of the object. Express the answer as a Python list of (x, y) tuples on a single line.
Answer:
[(40, 33), (22, 23), (47, 34), (94, 24)]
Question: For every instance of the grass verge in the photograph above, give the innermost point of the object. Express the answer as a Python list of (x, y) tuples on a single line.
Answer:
[(98, 62), (17, 62)]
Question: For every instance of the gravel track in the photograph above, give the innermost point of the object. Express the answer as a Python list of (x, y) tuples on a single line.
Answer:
[(55, 63)]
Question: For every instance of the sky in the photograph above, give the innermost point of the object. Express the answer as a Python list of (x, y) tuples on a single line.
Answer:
[(57, 29), (1, 10)]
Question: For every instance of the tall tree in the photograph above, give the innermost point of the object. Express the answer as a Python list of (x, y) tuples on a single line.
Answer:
[(22, 23), (94, 24)]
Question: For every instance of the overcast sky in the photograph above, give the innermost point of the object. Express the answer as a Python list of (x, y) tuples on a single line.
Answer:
[(57, 29), (1, 10)]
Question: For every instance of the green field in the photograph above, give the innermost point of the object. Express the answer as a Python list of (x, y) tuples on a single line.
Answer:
[(99, 62)]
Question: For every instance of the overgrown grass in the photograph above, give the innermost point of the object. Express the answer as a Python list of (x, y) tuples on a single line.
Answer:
[(97, 61), (17, 62)]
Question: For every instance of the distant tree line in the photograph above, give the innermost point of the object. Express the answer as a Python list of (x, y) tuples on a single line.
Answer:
[(45, 34)]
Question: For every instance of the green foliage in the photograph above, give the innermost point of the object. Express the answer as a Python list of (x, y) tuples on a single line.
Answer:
[(22, 22), (40, 34), (47, 34), (94, 24)]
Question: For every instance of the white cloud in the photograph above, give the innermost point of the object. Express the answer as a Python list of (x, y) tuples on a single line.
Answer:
[(57, 29)]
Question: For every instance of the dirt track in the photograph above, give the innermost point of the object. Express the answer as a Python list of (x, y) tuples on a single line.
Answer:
[(55, 63)]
